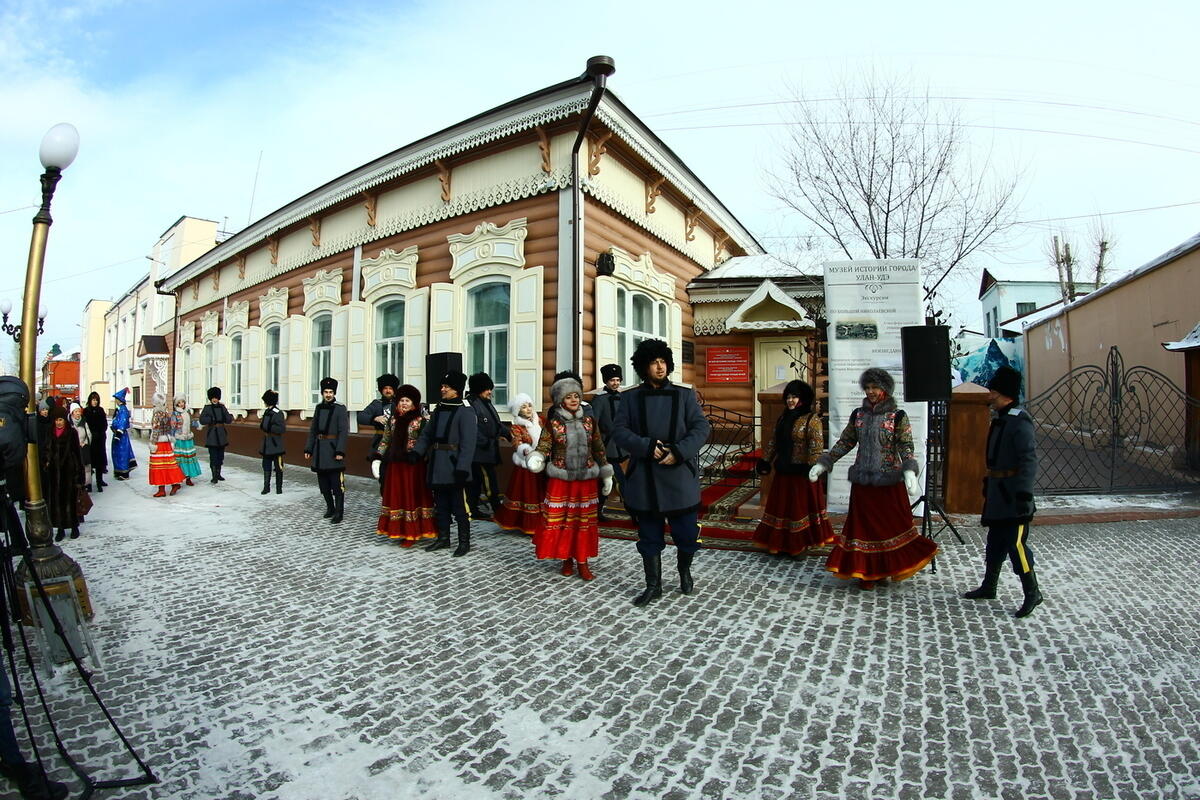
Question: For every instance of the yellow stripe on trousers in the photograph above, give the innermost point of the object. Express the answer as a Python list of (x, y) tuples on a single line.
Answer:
[(1021, 549)]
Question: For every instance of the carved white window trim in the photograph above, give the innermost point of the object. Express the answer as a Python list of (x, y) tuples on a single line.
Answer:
[(390, 273), (323, 291), (487, 247), (640, 274), (187, 333), (272, 306), (209, 322), (237, 317)]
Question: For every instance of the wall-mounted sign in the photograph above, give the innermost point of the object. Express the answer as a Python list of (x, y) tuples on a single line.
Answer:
[(727, 365)]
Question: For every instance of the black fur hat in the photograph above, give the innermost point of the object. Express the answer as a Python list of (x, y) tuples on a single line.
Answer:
[(878, 376), (480, 382), (455, 380), (610, 371), (799, 389), (1006, 381), (329, 383), (214, 392), (387, 379), (270, 397), (648, 350), (409, 391)]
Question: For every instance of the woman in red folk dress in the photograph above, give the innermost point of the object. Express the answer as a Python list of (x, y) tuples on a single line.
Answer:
[(406, 512), (522, 506), (795, 518), (879, 540), (164, 469), (572, 453)]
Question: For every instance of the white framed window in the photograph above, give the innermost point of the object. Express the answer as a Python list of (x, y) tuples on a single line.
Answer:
[(322, 352), (639, 317), (210, 362), (487, 335), (273, 352), (389, 338), (235, 370)]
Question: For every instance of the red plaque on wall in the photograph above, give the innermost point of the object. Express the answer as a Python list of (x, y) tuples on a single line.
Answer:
[(727, 365)]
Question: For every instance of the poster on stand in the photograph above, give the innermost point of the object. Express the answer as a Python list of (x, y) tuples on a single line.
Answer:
[(867, 303)]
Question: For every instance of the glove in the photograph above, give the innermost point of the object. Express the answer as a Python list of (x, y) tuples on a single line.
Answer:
[(536, 462), (762, 466), (375, 468), (911, 484), (460, 477), (606, 486), (412, 457), (816, 472)]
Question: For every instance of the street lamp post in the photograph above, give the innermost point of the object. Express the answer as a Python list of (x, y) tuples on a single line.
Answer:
[(59, 148)]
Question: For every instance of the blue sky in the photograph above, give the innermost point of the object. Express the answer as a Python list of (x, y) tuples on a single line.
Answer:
[(176, 103)]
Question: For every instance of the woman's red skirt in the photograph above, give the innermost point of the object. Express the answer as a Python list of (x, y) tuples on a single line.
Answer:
[(406, 513), (522, 506), (164, 469), (795, 518), (569, 528), (879, 539)]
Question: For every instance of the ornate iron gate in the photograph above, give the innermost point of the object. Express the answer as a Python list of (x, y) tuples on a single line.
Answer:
[(727, 475), (1111, 429)]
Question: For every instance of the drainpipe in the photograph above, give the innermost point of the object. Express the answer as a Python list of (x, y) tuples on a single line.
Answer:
[(598, 69)]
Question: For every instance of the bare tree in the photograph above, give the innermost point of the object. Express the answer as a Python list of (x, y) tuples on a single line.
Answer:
[(882, 172), (1065, 259)]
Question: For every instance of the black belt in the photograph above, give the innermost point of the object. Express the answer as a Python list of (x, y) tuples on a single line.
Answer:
[(1002, 473), (445, 447)]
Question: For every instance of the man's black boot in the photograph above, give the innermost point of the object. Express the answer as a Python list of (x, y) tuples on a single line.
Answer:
[(440, 543), (328, 505), (32, 782), (653, 568), (216, 473), (987, 589), (339, 506), (278, 482), (685, 572), (1033, 595), (464, 540), (266, 483)]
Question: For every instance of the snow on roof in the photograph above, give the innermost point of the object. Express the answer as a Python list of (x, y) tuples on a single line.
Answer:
[(71, 356), (756, 266), (1189, 342)]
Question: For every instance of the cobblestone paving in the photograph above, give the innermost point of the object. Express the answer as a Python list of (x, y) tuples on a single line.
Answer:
[(273, 655)]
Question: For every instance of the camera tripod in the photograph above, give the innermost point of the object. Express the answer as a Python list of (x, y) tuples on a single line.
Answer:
[(13, 544), (935, 462)]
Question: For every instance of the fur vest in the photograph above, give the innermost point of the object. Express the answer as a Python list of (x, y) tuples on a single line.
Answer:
[(572, 446), (883, 436)]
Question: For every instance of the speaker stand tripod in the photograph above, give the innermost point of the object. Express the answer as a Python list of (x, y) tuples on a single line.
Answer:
[(935, 460)]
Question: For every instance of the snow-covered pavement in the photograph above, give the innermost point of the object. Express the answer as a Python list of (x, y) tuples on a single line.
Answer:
[(253, 650)]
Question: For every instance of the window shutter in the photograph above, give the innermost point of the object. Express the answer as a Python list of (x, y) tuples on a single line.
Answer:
[(195, 358), (606, 325), (446, 318), (252, 370), (675, 331), (525, 365), (296, 367), (350, 337), (416, 329)]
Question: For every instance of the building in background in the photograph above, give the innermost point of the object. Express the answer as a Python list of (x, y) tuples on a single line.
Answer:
[(59, 376), (92, 376), (138, 326)]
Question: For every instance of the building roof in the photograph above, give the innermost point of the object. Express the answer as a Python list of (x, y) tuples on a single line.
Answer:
[(554, 103), (1178, 251), (1189, 342), (153, 346)]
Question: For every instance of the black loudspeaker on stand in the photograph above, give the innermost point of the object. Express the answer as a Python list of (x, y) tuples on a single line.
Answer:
[(437, 365), (925, 350)]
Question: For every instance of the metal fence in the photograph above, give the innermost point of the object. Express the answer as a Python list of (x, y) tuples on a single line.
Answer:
[(1111, 429)]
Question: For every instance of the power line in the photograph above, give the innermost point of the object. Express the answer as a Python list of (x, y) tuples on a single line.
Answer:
[(951, 125)]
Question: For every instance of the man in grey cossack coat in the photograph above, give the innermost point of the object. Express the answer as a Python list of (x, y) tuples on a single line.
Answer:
[(604, 407), (326, 449), (1008, 506), (215, 416), (378, 412), (448, 443), (662, 428), (273, 424)]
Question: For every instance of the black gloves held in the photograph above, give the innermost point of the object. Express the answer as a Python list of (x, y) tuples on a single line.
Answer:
[(762, 466)]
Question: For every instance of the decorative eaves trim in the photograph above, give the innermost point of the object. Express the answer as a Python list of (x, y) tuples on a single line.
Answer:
[(768, 290)]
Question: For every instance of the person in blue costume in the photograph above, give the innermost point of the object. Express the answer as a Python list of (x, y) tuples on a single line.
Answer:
[(122, 449)]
